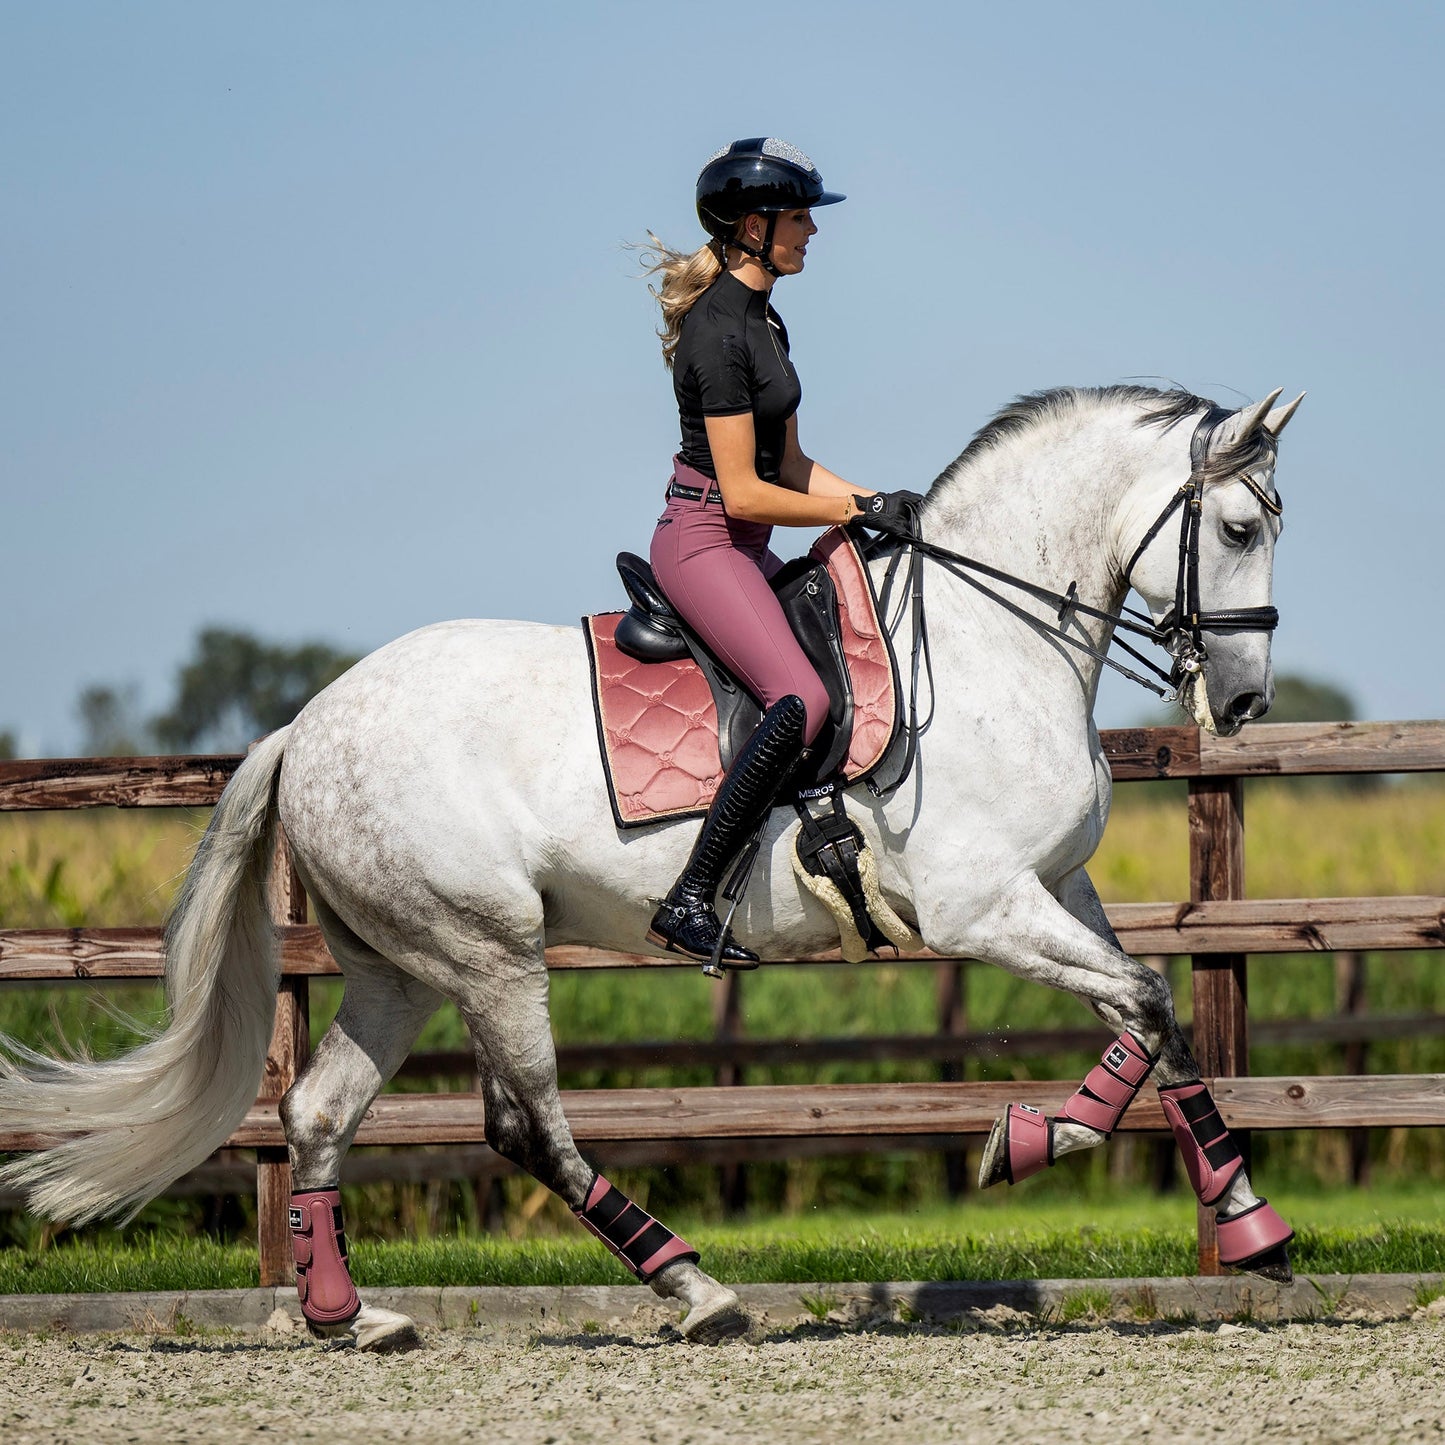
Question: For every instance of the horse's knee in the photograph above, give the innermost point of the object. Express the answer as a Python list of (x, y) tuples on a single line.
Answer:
[(1153, 1003), (527, 1130)]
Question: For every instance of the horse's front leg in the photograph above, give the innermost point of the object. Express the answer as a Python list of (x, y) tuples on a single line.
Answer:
[(1067, 943)]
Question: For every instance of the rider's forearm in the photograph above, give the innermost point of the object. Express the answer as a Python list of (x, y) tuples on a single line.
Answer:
[(750, 499), (803, 474)]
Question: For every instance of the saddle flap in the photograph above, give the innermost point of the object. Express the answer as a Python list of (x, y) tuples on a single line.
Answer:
[(810, 603)]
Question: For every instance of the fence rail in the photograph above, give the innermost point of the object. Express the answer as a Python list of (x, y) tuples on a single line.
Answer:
[(1216, 926)]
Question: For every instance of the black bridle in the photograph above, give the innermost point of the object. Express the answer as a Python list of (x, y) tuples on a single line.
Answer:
[(1180, 631)]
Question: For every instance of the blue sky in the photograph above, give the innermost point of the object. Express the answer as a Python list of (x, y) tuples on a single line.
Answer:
[(318, 321)]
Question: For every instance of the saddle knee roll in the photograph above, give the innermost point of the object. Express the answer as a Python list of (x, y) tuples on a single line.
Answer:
[(323, 1277), (641, 1244), (1110, 1086), (1211, 1157)]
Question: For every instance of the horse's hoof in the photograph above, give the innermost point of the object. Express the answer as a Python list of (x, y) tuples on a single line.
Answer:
[(378, 1331), (1273, 1264), (1256, 1241), (723, 1318), (1019, 1145), (993, 1167), (383, 1332)]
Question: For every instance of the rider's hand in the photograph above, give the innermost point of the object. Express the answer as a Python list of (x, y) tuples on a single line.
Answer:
[(892, 513)]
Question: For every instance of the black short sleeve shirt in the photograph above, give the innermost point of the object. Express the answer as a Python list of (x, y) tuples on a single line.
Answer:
[(732, 357)]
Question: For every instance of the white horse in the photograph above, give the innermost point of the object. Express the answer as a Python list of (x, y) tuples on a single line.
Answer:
[(445, 802)]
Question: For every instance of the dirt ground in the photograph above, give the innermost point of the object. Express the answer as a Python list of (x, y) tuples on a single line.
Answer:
[(1000, 1377)]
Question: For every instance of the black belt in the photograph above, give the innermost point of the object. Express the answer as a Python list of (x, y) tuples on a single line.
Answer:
[(693, 494)]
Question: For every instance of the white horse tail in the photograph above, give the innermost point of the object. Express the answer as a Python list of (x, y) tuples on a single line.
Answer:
[(146, 1118)]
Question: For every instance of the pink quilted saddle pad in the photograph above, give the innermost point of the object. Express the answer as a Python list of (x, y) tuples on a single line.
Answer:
[(658, 727)]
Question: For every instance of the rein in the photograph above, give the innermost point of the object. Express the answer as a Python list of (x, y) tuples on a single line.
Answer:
[(1180, 631)]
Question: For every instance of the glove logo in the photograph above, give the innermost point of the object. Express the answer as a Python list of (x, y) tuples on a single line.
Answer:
[(876, 505)]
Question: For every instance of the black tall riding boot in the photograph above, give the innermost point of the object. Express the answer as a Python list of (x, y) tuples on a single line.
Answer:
[(686, 922)]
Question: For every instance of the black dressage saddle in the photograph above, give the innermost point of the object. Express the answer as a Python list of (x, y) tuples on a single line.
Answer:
[(652, 631)]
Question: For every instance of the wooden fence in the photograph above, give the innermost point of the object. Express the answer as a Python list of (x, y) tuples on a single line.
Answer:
[(1217, 927)]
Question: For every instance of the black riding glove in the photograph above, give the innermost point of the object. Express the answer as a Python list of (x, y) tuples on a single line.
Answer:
[(893, 513)]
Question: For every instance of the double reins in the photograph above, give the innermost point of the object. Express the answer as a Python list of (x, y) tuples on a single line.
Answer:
[(1180, 631)]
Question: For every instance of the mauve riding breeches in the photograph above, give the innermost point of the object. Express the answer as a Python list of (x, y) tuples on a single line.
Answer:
[(715, 571)]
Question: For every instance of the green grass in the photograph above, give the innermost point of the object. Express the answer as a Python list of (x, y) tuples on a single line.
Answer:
[(1401, 1231)]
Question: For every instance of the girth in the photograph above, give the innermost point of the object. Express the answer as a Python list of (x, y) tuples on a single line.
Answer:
[(652, 631)]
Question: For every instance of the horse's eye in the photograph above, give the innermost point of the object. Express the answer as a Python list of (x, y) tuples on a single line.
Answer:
[(1238, 534)]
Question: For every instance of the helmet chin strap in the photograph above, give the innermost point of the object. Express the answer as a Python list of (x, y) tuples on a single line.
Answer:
[(763, 253)]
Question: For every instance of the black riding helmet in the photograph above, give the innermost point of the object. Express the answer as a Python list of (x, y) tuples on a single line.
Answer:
[(760, 176)]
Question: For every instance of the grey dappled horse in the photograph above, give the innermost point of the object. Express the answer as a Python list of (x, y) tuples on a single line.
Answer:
[(447, 809)]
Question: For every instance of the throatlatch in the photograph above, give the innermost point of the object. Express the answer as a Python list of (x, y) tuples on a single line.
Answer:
[(1026, 1135), (323, 1277), (632, 1234)]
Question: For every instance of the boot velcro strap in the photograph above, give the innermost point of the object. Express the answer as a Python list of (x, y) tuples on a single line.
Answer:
[(1207, 1125), (631, 1233)]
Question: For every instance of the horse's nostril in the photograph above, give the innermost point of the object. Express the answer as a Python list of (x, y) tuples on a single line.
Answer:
[(1248, 705)]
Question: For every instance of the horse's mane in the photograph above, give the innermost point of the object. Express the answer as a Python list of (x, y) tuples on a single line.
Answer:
[(1157, 408)]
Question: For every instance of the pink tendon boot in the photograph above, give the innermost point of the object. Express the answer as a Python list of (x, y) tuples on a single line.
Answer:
[(323, 1279), (1211, 1157), (633, 1235), (1099, 1103)]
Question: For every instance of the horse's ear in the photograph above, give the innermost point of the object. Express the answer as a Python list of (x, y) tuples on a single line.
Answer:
[(1278, 419), (1245, 422)]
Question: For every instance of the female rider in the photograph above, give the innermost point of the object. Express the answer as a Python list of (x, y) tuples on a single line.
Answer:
[(739, 473)]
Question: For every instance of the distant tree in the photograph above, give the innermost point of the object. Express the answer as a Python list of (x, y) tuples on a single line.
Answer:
[(1302, 699), (110, 726), (236, 687), (8, 745)]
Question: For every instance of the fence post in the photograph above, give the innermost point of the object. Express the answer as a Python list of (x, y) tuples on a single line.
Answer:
[(952, 1021), (1221, 1021), (727, 1018), (290, 1047), (1350, 1001)]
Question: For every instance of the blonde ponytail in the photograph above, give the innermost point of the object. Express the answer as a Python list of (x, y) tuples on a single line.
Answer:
[(684, 278)]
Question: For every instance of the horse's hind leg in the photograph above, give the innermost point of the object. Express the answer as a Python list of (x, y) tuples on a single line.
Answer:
[(382, 1011), (1088, 961), (506, 1010)]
